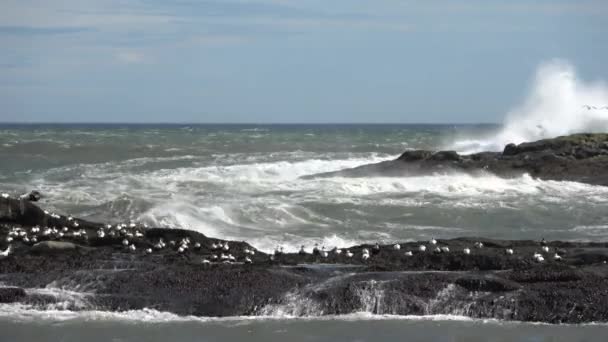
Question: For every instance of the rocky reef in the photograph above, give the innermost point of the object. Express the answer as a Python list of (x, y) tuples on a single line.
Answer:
[(60, 262), (578, 157)]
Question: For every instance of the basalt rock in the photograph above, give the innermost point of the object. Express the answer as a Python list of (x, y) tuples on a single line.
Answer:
[(101, 273), (578, 157)]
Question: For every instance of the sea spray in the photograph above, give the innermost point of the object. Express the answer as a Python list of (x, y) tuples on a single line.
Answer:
[(558, 103)]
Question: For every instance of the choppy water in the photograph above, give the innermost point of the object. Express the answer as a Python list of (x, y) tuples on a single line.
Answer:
[(358, 327), (242, 182)]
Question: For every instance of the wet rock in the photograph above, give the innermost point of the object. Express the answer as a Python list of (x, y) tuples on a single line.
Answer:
[(11, 294), (203, 281), (577, 157)]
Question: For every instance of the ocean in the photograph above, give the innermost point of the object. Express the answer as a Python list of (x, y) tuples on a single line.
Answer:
[(242, 182)]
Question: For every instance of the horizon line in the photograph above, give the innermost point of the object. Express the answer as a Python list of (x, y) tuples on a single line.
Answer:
[(236, 123)]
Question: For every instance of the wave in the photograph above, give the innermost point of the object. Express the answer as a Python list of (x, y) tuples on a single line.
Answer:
[(559, 103)]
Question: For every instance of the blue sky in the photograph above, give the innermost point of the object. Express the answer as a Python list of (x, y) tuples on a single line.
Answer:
[(286, 60)]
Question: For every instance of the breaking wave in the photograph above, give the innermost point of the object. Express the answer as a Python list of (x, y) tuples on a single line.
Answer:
[(559, 103)]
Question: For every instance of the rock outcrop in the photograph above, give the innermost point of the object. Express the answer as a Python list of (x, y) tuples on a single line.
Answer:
[(579, 157), (87, 266)]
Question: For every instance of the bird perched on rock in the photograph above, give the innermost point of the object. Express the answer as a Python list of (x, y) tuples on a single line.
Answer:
[(376, 248), (6, 252), (349, 253), (324, 253), (422, 248), (466, 251), (408, 253), (396, 246), (433, 242), (509, 251), (479, 244), (315, 250), (546, 249)]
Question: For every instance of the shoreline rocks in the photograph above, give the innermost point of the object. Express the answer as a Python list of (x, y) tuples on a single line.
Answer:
[(578, 157), (192, 274)]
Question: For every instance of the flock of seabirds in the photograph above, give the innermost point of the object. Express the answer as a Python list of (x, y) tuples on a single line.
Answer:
[(220, 251)]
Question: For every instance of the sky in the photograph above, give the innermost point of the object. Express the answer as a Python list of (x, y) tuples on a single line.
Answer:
[(287, 61)]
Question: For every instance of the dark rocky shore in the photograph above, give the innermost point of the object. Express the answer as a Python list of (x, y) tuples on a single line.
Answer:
[(579, 157), (125, 267)]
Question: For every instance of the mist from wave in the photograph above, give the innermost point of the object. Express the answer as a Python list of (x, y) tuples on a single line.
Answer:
[(559, 103)]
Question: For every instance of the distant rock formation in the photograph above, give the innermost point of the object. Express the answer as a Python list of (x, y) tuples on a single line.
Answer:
[(578, 157)]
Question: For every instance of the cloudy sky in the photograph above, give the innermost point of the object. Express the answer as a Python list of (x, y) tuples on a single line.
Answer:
[(286, 60)]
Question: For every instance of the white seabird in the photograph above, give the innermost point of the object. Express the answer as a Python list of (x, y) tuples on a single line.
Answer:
[(197, 245), (466, 251), (540, 259), (422, 248), (433, 242), (509, 251), (132, 248), (125, 242), (546, 249), (101, 234), (149, 250), (214, 246), (226, 247), (445, 249), (205, 262), (324, 252), (557, 257), (408, 253), (397, 247), (6, 252), (248, 261), (349, 253), (9, 239), (5, 195), (338, 251), (365, 256), (479, 244)]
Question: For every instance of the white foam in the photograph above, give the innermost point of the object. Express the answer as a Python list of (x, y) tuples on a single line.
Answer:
[(555, 106)]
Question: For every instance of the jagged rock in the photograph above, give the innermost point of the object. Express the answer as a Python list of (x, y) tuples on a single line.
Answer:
[(487, 283), (577, 157)]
